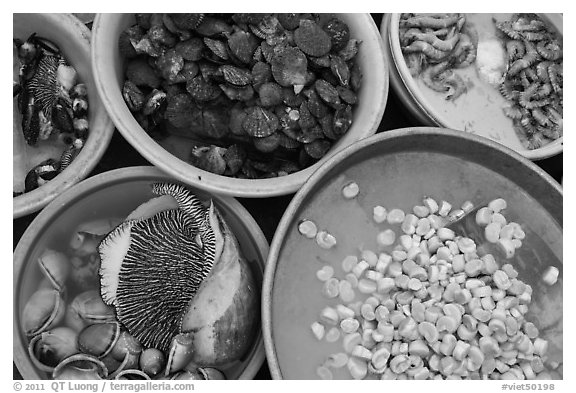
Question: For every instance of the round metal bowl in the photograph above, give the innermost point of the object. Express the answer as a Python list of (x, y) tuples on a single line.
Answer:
[(431, 114), (115, 194), (73, 38), (109, 75), (396, 169)]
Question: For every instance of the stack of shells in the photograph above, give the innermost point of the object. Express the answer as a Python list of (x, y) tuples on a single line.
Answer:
[(263, 95)]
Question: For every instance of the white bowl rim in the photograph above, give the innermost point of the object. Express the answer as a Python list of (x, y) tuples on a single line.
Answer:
[(106, 179), (553, 148), (254, 188), (91, 153)]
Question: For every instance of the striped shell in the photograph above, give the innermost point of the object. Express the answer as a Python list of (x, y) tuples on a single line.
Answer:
[(44, 85), (149, 277)]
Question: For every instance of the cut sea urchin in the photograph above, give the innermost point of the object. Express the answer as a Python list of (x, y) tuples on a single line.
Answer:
[(151, 268)]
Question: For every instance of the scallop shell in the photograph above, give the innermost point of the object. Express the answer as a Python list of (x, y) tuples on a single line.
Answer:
[(338, 32), (318, 148), (201, 90), (270, 94), (261, 73), (190, 49), (237, 116), (287, 142), (219, 48), (209, 158), (342, 120), (133, 96), (211, 27), (311, 134), (311, 39), (290, 21), (187, 21), (243, 93), (170, 64), (242, 45), (127, 39), (327, 92), (350, 50), (260, 123), (139, 72), (158, 33), (235, 75), (289, 66), (340, 70), (235, 156), (306, 119), (268, 143)]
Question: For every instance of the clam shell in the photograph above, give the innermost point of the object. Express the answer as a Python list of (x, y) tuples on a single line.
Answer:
[(315, 105), (342, 120), (350, 50), (306, 120), (43, 310), (99, 339), (47, 349), (132, 375), (55, 266), (80, 366), (180, 353), (340, 70), (152, 361)]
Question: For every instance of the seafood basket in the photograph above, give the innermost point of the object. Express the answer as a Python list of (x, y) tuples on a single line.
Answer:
[(73, 39), (384, 175), (484, 94), (80, 336), (109, 74)]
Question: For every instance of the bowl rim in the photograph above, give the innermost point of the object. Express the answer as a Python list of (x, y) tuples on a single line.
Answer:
[(254, 188), (101, 181), (95, 146), (390, 31), (302, 194)]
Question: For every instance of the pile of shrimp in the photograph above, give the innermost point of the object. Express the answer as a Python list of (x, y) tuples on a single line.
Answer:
[(434, 45), (534, 81)]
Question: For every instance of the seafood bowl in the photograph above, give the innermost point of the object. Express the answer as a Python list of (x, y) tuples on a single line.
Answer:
[(85, 333), (109, 74), (73, 38), (482, 108), (394, 170)]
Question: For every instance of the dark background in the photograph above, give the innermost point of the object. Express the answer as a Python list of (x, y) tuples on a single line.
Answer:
[(267, 212)]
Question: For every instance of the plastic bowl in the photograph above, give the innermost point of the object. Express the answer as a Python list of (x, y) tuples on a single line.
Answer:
[(115, 194), (396, 169), (427, 113), (73, 38), (109, 75)]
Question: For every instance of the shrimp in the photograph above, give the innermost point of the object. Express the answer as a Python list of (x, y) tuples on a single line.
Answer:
[(415, 62), (543, 91), (535, 35), (540, 117), (555, 74), (429, 21), (542, 71), (515, 49), (427, 49), (513, 112), (464, 52), (507, 91), (430, 76), (524, 25), (550, 50), (437, 43), (455, 83), (506, 28), (526, 61)]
